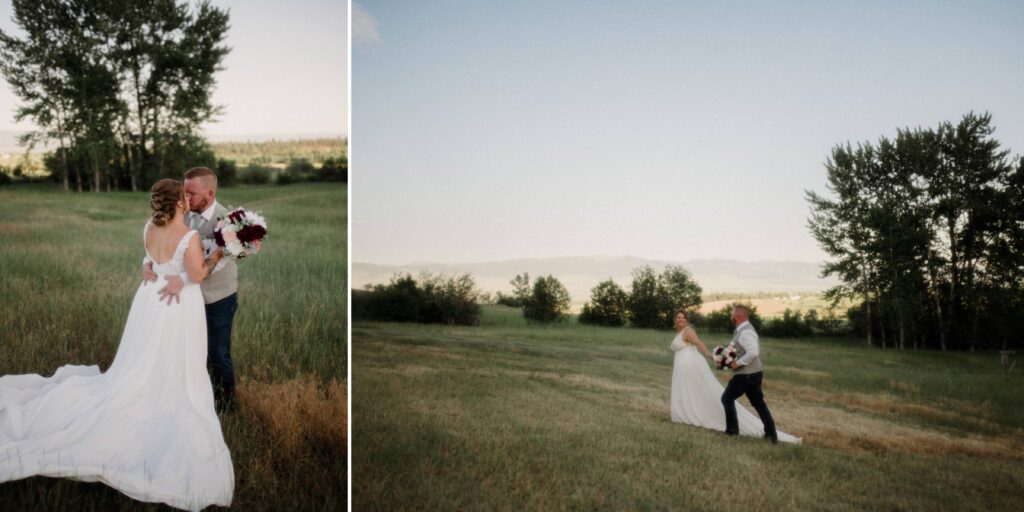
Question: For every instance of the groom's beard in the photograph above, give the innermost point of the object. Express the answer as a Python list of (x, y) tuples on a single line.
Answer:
[(199, 207)]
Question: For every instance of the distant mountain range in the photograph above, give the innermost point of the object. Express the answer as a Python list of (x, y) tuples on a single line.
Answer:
[(580, 274)]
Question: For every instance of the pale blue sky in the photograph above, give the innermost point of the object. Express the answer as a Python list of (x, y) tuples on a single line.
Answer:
[(287, 73), (669, 130)]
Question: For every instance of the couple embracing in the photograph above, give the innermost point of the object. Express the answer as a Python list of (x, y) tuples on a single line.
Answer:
[(148, 425), (697, 398)]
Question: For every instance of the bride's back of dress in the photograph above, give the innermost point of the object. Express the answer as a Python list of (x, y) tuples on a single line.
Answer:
[(158, 239)]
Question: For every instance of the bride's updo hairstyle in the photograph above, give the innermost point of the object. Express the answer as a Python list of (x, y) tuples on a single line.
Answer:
[(163, 199)]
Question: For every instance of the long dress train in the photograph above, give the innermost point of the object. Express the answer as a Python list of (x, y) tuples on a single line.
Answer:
[(147, 426)]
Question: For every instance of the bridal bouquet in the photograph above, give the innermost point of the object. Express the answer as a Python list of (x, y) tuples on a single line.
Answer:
[(240, 233), (724, 356)]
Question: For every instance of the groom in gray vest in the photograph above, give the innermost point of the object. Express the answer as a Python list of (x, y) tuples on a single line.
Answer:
[(220, 288), (748, 374)]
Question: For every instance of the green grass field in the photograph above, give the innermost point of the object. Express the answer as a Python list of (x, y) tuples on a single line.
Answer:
[(69, 267), (508, 416)]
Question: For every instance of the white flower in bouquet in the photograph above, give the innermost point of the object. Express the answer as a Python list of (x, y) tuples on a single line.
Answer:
[(724, 356), (240, 233)]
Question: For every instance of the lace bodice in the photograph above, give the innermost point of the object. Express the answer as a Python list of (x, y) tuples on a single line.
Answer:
[(175, 265)]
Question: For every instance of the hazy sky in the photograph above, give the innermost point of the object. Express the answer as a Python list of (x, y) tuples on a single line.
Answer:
[(287, 73), (664, 129)]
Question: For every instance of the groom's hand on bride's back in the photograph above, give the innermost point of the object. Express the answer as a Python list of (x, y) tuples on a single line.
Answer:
[(148, 276), (171, 290)]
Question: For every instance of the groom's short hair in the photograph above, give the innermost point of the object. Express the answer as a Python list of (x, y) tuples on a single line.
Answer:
[(205, 173), (740, 308)]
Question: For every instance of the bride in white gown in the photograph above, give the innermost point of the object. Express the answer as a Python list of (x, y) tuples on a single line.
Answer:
[(696, 394), (146, 426)]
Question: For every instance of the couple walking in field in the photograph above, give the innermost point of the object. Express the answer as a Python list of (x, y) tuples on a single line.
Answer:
[(147, 426), (697, 398)]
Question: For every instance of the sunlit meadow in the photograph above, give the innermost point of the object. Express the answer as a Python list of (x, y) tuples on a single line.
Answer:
[(510, 416)]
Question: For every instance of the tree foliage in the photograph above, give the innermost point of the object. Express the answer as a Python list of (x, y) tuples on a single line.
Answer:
[(720, 320), (925, 230), (607, 305), (548, 301), (439, 299), (654, 298), (122, 87), (521, 290)]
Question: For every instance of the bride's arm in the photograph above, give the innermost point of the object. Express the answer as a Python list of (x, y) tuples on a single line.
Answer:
[(194, 263), (691, 337)]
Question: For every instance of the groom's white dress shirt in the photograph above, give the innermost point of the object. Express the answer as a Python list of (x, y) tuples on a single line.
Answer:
[(748, 349), (747, 340)]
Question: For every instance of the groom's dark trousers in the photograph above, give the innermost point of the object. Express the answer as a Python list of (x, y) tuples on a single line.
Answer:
[(219, 316), (750, 385)]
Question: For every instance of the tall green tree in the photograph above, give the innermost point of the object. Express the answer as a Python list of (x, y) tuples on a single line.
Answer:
[(654, 298), (607, 305), (167, 55), (678, 290), (964, 188), (521, 289), (645, 301), (548, 303), (34, 68), (119, 84), (898, 219), (924, 230), (838, 225)]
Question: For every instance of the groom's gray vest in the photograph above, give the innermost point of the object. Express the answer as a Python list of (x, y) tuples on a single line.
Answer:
[(224, 282), (755, 365)]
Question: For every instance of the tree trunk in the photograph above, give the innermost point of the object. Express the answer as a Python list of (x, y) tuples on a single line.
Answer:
[(937, 296), (158, 149), (972, 301), (95, 168), (954, 274), (78, 177), (131, 167), (974, 327), (67, 171), (882, 331), (867, 316), (63, 151), (902, 328), (141, 168)]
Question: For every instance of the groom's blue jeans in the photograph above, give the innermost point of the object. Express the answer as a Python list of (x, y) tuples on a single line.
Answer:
[(219, 317), (750, 385)]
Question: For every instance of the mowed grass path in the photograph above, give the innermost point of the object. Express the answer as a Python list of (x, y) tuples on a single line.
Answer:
[(69, 267), (507, 416)]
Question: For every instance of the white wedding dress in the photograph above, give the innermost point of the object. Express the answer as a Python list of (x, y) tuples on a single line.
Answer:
[(146, 426), (696, 395)]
